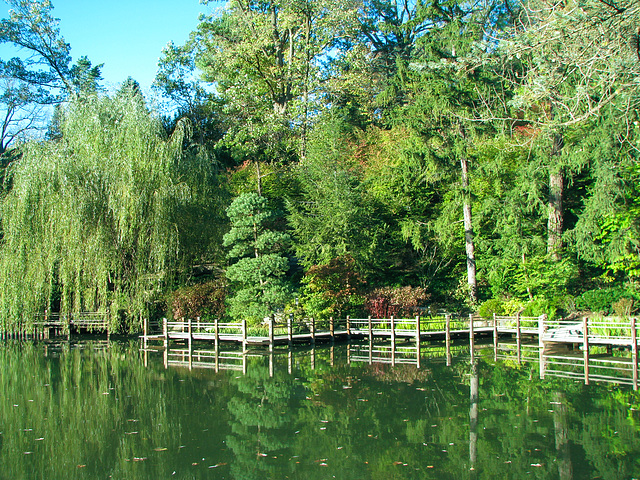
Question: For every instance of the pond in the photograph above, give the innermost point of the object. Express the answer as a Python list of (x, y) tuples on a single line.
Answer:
[(93, 409)]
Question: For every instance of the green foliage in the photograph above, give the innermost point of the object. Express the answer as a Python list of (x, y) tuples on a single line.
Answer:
[(334, 289), (260, 267), (491, 306), (600, 300), (94, 220), (205, 300), (540, 306)]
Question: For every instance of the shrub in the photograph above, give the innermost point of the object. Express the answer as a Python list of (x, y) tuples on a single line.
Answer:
[(491, 306), (540, 306), (395, 301), (599, 300), (201, 300)]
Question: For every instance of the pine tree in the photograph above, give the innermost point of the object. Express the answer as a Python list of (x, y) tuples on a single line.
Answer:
[(261, 266)]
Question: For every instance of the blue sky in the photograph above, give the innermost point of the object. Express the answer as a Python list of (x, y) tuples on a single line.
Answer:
[(127, 36)]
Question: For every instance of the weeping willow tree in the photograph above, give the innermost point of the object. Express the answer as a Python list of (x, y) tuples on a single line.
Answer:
[(92, 220)]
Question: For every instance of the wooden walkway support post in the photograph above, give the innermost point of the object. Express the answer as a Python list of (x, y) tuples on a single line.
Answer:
[(165, 333), (518, 336), (471, 336), (495, 337), (393, 335), (541, 357), (313, 330), (447, 336), (634, 352), (272, 321), (418, 340), (332, 329), (585, 346), (244, 335)]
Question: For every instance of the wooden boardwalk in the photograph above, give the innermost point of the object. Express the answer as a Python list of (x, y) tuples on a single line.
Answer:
[(554, 360), (49, 325)]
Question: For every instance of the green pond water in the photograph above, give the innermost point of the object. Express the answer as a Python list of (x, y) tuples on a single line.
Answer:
[(109, 410)]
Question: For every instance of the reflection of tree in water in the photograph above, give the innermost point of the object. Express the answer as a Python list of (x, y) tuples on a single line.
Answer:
[(263, 411)]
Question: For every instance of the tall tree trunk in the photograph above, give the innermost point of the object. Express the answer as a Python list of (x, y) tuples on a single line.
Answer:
[(556, 187), (468, 233)]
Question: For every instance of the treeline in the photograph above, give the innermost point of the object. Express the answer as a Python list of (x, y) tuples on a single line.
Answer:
[(332, 157)]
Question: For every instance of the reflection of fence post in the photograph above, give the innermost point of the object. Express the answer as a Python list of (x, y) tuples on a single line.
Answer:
[(518, 335), (165, 332), (634, 352), (272, 320), (331, 329), (393, 334), (418, 340), (216, 333), (585, 346)]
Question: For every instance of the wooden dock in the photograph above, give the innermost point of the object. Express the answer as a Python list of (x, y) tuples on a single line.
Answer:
[(588, 331), (554, 360), (50, 325)]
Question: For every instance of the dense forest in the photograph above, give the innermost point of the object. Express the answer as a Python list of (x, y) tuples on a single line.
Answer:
[(328, 157)]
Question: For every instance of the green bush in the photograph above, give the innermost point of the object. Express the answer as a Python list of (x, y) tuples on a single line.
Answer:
[(491, 306), (540, 306), (600, 300)]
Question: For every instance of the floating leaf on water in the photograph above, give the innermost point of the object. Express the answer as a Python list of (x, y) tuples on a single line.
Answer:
[(139, 459), (536, 465), (160, 449), (28, 453), (130, 433), (81, 466), (39, 439)]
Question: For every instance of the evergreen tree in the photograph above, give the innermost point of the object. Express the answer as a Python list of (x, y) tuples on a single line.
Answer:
[(259, 271)]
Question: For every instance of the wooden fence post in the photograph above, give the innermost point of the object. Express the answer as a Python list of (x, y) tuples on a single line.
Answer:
[(585, 346), (634, 352), (145, 329), (349, 327), (447, 336), (393, 336), (165, 332), (418, 340), (216, 333), (370, 330), (495, 337), (518, 336), (272, 320), (289, 331), (190, 331), (244, 335), (331, 329), (471, 336), (313, 330)]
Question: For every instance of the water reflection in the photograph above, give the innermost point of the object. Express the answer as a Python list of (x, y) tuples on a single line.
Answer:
[(100, 410)]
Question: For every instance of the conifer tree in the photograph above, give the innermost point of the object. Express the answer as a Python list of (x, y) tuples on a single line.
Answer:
[(259, 271)]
